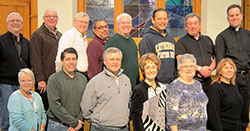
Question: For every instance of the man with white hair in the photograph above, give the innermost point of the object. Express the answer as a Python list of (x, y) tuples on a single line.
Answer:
[(123, 41), (43, 49), (76, 38), (14, 56)]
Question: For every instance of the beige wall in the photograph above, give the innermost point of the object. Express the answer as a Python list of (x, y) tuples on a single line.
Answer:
[(65, 9), (214, 17)]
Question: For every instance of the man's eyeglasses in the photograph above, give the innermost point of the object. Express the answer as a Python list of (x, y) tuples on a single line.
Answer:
[(50, 16), (102, 27), (14, 21)]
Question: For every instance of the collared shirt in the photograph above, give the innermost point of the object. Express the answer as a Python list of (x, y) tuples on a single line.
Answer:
[(202, 48), (53, 32), (95, 53), (235, 45), (73, 38)]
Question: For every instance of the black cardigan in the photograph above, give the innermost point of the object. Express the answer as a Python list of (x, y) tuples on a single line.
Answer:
[(10, 62)]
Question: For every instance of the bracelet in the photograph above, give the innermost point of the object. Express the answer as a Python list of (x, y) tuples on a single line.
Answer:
[(42, 129)]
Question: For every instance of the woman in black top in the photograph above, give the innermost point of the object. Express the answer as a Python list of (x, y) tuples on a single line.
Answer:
[(225, 101), (148, 98)]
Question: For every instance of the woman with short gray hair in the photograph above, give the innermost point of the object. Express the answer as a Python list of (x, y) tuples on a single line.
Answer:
[(26, 111), (186, 101)]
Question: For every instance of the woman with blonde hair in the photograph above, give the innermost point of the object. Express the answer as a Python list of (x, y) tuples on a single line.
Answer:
[(225, 101), (26, 111)]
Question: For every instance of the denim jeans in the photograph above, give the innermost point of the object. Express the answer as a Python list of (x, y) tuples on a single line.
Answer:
[(5, 91), (56, 126), (103, 128)]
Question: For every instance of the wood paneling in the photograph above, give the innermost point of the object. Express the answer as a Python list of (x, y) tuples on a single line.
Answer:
[(246, 14), (33, 16)]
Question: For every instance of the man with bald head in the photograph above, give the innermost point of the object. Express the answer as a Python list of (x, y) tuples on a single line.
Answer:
[(14, 55), (43, 49)]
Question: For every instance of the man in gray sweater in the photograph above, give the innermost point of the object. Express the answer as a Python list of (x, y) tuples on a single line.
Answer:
[(106, 98)]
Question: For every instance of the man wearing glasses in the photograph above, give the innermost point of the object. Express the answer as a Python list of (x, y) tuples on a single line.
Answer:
[(43, 49), (14, 55), (76, 38), (96, 47)]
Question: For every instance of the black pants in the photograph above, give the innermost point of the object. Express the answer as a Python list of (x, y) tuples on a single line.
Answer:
[(243, 84)]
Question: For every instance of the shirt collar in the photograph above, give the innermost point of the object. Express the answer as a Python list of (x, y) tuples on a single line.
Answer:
[(107, 72), (99, 40), (50, 29), (79, 33), (193, 36)]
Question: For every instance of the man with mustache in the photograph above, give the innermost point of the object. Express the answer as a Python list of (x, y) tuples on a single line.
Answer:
[(95, 48)]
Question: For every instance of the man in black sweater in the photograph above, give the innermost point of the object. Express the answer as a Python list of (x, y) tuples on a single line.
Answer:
[(14, 55)]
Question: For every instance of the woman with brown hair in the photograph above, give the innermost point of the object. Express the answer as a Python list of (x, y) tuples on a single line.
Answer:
[(225, 101)]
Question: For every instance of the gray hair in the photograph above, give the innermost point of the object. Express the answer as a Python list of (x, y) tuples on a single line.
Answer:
[(14, 13), (26, 71), (121, 15), (80, 15), (185, 58), (191, 15), (50, 9), (97, 20), (111, 50)]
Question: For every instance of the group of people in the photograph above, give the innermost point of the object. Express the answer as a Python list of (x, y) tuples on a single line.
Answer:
[(99, 82)]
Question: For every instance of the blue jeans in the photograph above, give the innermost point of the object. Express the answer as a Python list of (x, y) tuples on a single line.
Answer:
[(56, 126), (103, 128), (5, 91)]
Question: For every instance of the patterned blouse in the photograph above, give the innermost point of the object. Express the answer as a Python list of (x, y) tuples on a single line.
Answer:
[(186, 106)]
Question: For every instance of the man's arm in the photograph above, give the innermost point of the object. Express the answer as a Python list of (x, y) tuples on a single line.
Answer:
[(36, 60), (219, 48), (89, 100), (145, 46), (54, 98), (93, 59)]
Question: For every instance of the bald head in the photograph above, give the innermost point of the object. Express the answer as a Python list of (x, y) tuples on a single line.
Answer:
[(50, 18)]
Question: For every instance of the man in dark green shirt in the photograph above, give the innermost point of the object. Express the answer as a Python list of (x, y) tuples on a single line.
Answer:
[(123, 41), (65, 90)]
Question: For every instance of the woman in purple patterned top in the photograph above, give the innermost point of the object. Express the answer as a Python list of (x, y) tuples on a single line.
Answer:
[(186, 102)]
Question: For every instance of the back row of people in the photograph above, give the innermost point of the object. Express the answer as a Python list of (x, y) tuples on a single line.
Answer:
[(44, 41)]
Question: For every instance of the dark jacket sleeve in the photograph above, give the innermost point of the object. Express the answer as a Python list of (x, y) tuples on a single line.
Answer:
[(179, 47), (136, 109), (220, 48), (36, 56), (145, 46), (213, 108)]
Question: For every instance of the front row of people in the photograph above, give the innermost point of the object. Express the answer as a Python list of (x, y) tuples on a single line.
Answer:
[(105, 102)]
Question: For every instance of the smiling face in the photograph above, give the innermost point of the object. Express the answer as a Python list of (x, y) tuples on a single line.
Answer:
[(150, 70), (187, 70), (69, 62), (160, 20), (193, 26), (113, 62), (227, 71), (26, 82), (81, 24), (101, 30), (124, 26), (234, 17), (50, 18), (14, 24)]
